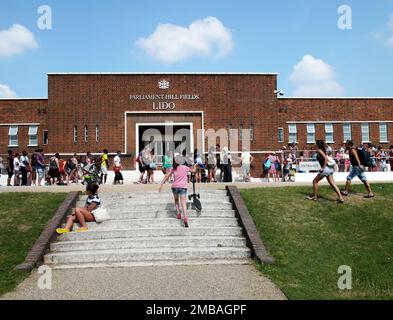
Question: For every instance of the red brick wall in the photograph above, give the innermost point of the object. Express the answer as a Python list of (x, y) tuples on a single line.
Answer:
[(330, 110), (102, 99), (22, 112)]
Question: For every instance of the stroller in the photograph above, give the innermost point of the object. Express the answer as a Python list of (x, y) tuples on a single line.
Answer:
[(90, 174), (289, 172)]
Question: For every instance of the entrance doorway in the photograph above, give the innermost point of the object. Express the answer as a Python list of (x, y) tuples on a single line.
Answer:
[(164, 137)]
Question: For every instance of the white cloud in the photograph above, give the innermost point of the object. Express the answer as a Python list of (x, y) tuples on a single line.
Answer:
[(313, 77), (6, 92), (16, 40), (172, 43)]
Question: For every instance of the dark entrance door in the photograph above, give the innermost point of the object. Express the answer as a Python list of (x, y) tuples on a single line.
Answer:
[(164, 138)]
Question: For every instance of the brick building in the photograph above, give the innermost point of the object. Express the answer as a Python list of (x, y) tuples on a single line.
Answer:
[(90, 112)]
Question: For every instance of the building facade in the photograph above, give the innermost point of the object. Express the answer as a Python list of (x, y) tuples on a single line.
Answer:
[(117, 111)]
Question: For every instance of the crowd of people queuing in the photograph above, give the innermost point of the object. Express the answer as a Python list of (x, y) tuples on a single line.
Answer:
[(216, 166), (206, 166), (37, 170)]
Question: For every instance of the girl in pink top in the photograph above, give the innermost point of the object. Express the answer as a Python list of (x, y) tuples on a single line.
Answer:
[(179, 185)]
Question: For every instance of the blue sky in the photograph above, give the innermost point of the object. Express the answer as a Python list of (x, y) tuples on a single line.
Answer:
[(244, 36)]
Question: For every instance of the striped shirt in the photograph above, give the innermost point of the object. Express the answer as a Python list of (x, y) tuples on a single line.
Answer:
[(93, 199)]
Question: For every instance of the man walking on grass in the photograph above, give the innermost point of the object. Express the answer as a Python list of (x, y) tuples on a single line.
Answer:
[(357, 170)]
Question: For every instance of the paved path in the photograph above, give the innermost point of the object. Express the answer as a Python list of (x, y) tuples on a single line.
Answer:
[(153, 187), (217, 282)]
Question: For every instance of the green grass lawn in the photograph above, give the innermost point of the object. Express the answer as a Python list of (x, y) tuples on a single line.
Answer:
[(22, 219), (309, 241)]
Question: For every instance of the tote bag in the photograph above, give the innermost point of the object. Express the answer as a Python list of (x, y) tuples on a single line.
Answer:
[(101, 215)]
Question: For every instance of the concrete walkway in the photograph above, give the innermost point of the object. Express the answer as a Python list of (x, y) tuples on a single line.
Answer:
[(215, 282)]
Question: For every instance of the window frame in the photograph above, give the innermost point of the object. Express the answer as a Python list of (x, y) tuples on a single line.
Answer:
[(311, 132), (349, 126), (362, 126), (86, 134), (13, 134), (32, 134), (97, 133), (328, 132), (47, 137), (282, 135), (292, 132), (385, 124), (75, 134)]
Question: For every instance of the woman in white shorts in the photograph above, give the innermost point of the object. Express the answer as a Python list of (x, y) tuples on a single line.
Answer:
[(327, 171)]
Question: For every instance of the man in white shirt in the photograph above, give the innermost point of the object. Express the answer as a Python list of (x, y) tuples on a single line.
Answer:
[(117, 168), (117, 160), (246, 159)]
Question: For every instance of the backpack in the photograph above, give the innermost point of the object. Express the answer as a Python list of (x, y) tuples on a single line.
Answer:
[(53, 164), (364, 157), (267, 164)]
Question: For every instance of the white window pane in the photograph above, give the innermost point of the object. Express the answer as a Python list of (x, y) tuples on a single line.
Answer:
[(33, 140), (13, 131), (33, 130), (13, 141), (329, 138), (365, 132), (97, 134), (383, 132), (292, 128), (311, 138), (347, 132), (292, 137), (310, 128), (280, 135), (329, 128)]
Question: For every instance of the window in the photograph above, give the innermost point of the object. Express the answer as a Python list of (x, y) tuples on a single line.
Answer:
[(365, 132), (292, 129), (280, 135), (383, 132), (329, 133), (45, 138), (310, 133), (247, 134), (13, 136), (86, 133), (347, 132), (97, 134), (75, 134), (252, 133), (33, 136)]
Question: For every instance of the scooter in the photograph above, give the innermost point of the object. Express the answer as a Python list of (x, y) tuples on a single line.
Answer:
[(194, 196)]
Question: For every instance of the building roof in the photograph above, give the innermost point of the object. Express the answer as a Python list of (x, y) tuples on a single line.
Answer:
[(165, 73)]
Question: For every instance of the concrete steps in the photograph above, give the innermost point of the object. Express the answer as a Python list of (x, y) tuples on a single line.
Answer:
[(128, 206), (162, 223), (146, 254), (170, 214), (144, 231), (152, 232), (139, 243)]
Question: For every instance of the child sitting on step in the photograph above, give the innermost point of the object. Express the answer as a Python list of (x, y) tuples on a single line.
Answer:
[(86, 214)]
